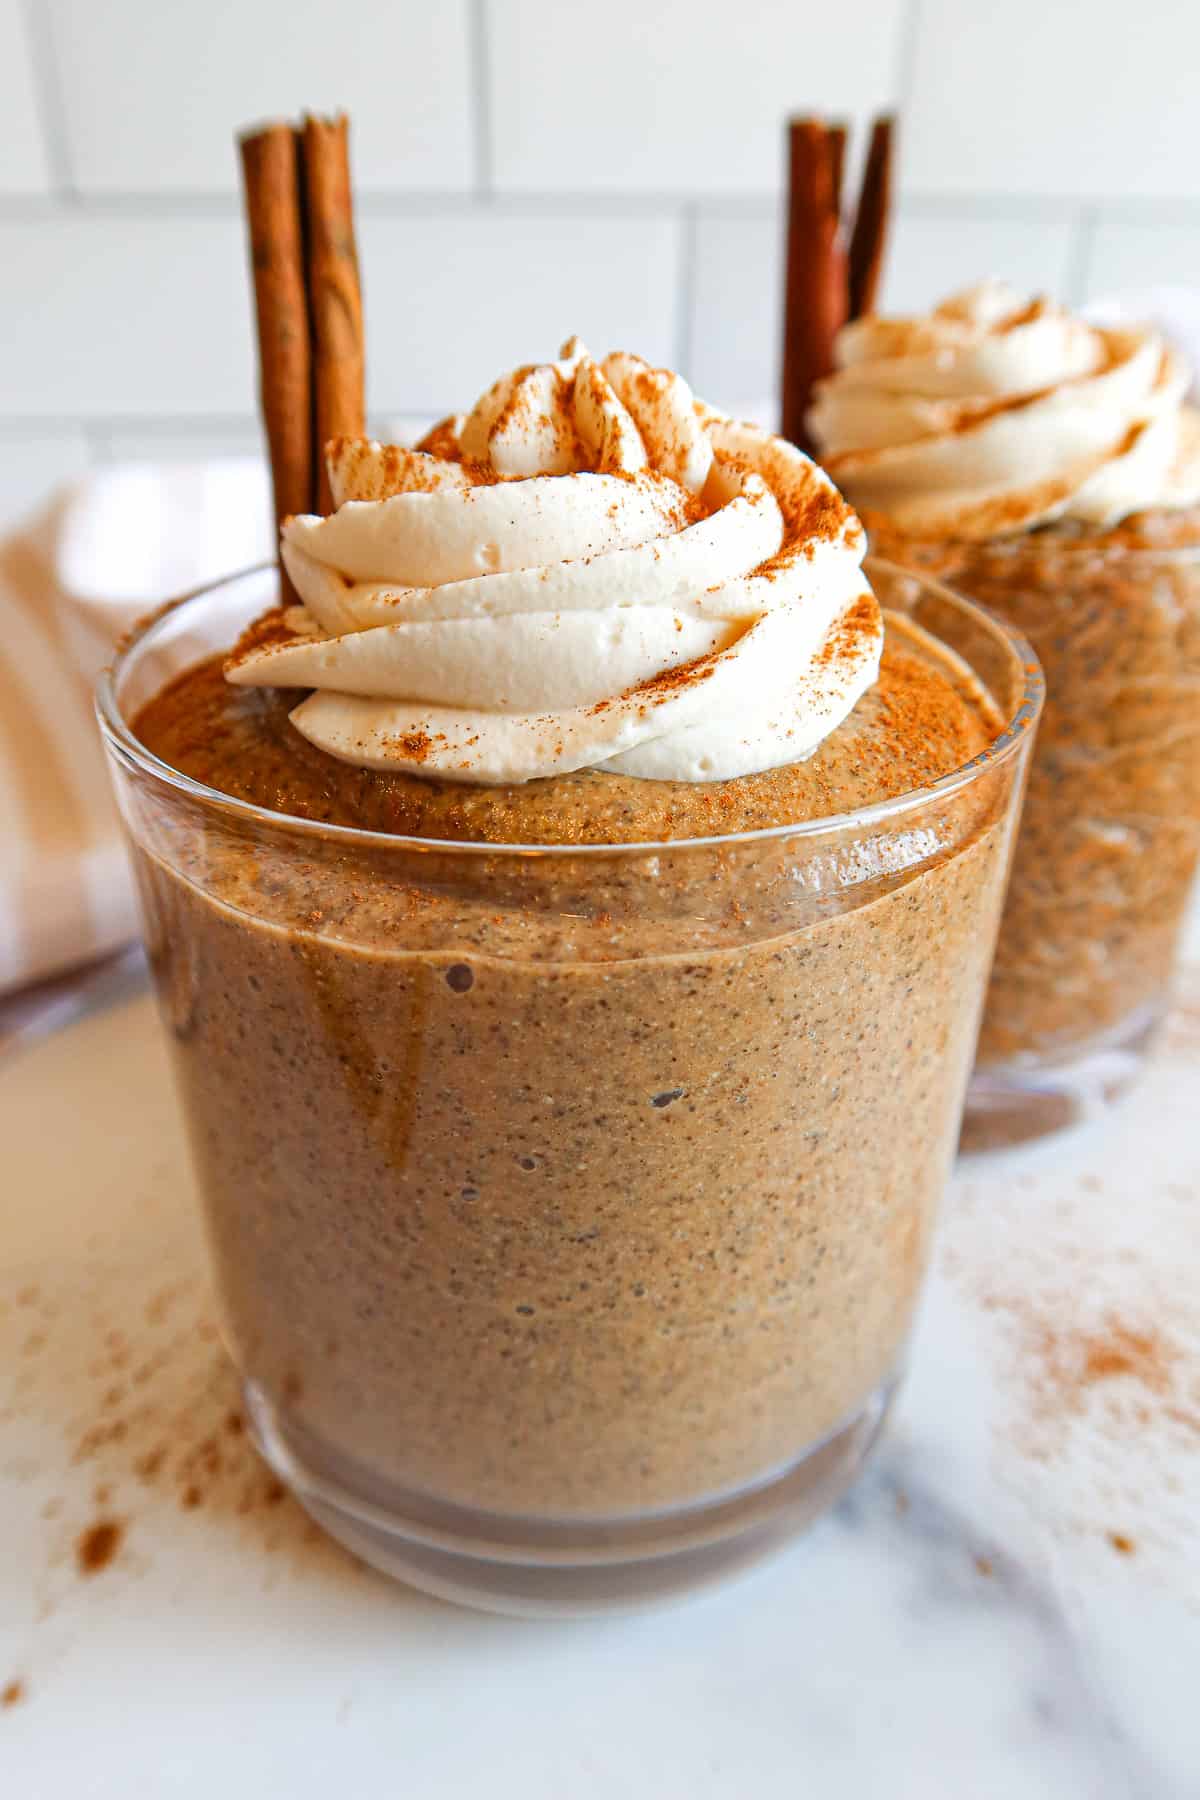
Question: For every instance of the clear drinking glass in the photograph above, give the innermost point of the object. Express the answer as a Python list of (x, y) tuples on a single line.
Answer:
[(569, 1206), (1107, 851)]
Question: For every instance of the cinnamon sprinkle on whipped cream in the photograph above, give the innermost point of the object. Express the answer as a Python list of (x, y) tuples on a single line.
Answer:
[(996, 413), (591, 569)]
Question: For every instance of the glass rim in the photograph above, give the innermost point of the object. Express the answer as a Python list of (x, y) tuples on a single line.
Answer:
[(125, 748), (1049, 540)]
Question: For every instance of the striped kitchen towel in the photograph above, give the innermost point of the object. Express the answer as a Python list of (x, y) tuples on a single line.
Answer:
[(65, 894), (73, 577)]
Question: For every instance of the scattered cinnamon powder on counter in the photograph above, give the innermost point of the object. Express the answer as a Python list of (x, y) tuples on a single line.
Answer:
[(1096, 1351), (1127, 1352), (1070, 1363), (149, 1413), (1182, 1030), (12, 1693), (96, 1547)]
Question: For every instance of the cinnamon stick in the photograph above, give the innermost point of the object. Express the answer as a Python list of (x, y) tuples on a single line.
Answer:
[(836, 135), (869, 239), (335, 297), (815, 291), (270, 175)]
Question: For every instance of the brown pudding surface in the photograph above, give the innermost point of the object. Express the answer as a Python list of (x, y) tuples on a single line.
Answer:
[(918, 722), (582, 1185)]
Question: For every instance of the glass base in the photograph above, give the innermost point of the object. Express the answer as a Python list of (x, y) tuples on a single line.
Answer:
[(1016, 1103), (554, 1568)]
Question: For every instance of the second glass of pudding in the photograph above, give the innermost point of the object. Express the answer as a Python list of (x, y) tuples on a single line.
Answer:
[(570, 1147), (1050, 469)]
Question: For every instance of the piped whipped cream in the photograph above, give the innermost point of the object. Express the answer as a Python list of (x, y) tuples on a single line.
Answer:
[(589, 570), (996, 413)]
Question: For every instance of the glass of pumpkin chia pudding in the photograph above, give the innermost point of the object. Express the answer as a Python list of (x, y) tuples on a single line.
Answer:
[(571, 922), (1050, 468)]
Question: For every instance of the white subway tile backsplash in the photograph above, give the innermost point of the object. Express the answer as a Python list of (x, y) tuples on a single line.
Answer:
[(1034, 98), (141, 440), (153, 92), (120, 316), (737, 308), (933, 254), (1128, 254), (678, 95), (632, 157), (452, 301), (737, 297), (24, 164), (33, 462)]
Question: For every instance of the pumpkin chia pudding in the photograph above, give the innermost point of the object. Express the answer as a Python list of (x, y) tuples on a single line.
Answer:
[(1050, 468), (570, 905), (571, 934)]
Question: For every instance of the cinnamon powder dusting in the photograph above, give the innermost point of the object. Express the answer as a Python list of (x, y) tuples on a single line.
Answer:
[(393, 470), (98, 1545), (1084, 1293), (648, 384), (822, 517), (161, 1425), (12, 1693), (441, 440), (1124, 1351), (1069, 1371), (1070, 1364), (265, 633), (846, 636), (671, 681), (416, 745), (522, 414)]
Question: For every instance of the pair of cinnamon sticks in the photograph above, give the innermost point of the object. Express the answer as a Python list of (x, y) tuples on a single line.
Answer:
[(300, 212), (828, 280)]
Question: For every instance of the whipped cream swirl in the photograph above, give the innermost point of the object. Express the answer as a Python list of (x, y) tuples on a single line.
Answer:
[(996, 413), (591, 569)]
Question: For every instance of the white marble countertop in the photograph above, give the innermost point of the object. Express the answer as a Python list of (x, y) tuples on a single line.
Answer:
[(1007, 1606)]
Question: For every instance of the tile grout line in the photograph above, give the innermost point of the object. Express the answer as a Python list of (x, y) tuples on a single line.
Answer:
[(98, 436), (15, 426), (52, 112), (906, 65), (478, 51), (1080, 261), (686, 289), (450, 203), (1163, 212)]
